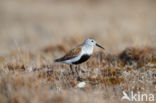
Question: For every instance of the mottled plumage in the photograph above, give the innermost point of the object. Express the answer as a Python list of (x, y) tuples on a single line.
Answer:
[(79, 54), (71, 54)]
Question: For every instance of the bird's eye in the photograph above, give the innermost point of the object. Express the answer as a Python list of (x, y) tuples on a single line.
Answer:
[(92, 41)]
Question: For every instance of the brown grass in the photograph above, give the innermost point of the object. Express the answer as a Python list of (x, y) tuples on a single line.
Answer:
[(34, 32), (53, 82)]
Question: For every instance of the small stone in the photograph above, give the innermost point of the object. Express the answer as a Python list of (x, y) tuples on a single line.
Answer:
[(81, 85)]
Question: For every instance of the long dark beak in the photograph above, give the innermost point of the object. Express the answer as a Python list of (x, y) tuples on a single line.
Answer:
[(99, 46)]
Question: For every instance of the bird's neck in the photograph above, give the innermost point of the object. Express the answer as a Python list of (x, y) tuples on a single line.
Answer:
[(88, 49)]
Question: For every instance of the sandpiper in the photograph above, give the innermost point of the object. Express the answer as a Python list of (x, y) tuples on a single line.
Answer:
[(79, 54)]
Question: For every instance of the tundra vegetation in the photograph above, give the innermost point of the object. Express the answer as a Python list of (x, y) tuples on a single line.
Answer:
[(34, 33)]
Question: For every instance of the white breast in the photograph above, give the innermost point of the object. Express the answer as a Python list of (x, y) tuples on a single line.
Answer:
[(87, 50)]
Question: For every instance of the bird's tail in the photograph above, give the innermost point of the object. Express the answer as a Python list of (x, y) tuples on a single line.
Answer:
[(57, 60)]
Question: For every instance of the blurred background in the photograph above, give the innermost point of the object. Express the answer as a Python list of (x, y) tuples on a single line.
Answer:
[(115, 24)]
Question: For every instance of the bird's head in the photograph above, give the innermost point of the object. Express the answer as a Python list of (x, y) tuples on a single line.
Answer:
[(91, 42)]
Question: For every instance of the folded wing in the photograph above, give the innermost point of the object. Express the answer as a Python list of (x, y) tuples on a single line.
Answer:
[(71, 54)]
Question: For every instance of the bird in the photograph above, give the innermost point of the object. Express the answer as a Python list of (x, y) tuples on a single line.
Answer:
[(79, 54)]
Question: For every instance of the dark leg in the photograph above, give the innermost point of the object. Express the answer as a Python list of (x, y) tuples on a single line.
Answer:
[(76, 69), (71, 69), (78, 77)]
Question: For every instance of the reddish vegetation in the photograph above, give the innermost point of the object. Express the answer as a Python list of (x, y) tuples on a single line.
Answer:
[(33, 33), (102, 72)]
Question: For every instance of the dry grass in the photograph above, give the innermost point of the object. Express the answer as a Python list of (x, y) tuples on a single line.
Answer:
[(34, 33), (105, 75)]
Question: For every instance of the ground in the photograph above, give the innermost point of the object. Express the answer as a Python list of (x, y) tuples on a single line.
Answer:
[(34, 32)]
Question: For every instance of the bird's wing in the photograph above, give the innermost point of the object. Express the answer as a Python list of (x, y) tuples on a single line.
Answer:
[(71, 54)]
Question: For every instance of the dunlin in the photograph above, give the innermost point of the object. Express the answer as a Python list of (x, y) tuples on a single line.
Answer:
[(79, 54)]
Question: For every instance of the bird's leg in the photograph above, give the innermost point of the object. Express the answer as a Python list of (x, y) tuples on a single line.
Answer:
[(71, 69), (78, 77), (76, 69)]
